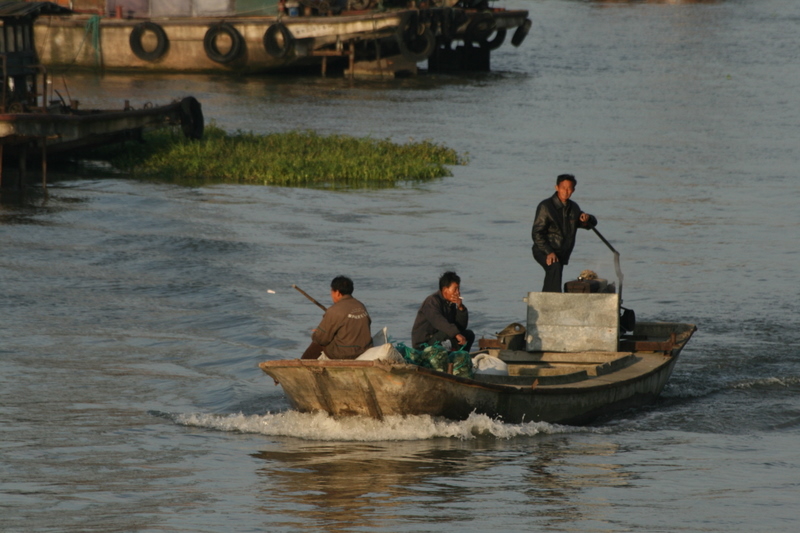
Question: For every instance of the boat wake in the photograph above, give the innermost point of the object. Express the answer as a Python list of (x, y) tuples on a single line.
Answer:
[(769, 383), (320, 426)]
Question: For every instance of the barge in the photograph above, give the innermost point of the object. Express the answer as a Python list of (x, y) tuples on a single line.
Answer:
[(362, 37)]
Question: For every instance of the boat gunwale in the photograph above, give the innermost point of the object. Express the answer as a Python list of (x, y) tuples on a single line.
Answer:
[(230, 19), (79, 19)]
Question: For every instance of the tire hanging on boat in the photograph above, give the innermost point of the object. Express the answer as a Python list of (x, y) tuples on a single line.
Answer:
[(480, 28), (192, 122), (416, 46), (521, 32), (278, 40), (135, 40), (494, 43), (210, 43)]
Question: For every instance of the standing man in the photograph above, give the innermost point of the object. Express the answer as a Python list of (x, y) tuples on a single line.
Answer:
[(443, 317), (344, 330), (554, 229)]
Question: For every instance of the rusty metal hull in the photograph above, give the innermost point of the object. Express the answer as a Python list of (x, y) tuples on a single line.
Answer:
[(64, 41), (375, 389), (61, 42)]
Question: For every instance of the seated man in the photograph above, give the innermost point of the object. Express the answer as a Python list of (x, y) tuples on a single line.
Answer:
[(344, 330), (443, 317)]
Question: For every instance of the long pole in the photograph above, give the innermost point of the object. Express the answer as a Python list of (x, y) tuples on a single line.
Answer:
[(616, 260), (304, 293)]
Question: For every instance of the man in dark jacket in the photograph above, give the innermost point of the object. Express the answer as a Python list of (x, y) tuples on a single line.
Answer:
[(443, 317), (344, 330), (554, 228)]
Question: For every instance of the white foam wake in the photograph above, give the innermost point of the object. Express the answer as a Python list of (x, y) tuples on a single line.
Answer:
[(772, 382), (320, 426)]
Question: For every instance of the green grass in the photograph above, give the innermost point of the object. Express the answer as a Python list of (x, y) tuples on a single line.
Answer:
[(297, 158)]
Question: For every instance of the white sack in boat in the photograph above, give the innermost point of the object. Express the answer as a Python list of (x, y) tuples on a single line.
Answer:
[(384, 352), (486, 364), (382, 337)]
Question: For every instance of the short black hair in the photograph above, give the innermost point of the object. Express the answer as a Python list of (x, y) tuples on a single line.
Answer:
[(343, 284), (447, 279), (565, 177)]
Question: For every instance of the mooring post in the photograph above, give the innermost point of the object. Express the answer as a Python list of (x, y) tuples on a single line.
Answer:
[(44, 163), (23, 162), (352, 59)]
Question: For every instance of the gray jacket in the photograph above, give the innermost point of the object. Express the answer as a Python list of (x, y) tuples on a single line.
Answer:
[(437, 314), (344, 330)]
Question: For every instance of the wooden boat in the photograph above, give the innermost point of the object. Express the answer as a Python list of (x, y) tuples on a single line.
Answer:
[(576, 360), (367, 36), (555, 387), (34, 124)]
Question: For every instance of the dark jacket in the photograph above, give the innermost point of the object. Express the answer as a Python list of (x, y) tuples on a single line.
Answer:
[(437, 314), (555, 226), (344, 330)]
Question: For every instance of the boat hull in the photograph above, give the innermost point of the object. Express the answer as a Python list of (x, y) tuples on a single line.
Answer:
[(63, 42), (71, 130), (184, 44), (375, 389)]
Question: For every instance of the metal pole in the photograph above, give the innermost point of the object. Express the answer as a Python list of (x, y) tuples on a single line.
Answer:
[(616, 260)]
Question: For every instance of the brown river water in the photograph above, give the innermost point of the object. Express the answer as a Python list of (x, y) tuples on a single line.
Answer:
[(134, 313)]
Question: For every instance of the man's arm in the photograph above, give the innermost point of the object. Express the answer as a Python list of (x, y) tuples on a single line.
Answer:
[(433, 314), (326, 330), (539, 229), (462, 317)]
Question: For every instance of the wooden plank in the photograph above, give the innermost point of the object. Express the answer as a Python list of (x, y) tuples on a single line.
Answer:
[(589, 358)]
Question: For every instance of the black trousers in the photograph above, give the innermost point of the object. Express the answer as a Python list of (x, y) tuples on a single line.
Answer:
[(552, 273)]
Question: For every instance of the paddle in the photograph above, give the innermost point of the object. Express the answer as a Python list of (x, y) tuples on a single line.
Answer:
[(304, 293), (616, 260)]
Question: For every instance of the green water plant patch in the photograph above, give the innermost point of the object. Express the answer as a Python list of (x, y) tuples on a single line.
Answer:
[(296, 158)]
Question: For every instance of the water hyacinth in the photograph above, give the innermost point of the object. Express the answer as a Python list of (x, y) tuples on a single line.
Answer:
[(296, 158)]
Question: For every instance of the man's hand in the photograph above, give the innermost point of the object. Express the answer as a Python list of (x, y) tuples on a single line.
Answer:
[(552, 258), (462, 340)]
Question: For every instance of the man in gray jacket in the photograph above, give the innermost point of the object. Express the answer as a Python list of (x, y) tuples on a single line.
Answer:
[(443, 317), (344, 330), (554, 228)]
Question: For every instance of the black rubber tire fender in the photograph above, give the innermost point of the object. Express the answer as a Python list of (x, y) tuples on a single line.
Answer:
[(192, 122), (521, 32), (135, 40), (274, 47), (497, 41), (416, 46), (210, 43), (480, 28)]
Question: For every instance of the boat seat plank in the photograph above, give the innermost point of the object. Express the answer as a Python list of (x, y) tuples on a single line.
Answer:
[(532, 379), (584, 358), (615, 364)]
